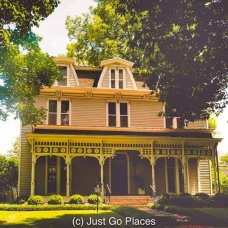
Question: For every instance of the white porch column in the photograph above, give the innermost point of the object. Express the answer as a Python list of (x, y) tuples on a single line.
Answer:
[(33, 175), (68, 176), (101, 162), (152, 162)]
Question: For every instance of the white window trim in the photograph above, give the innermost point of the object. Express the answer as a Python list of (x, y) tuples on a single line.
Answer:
[(118, 113), (68, 72), (58, 111), (117, 77)]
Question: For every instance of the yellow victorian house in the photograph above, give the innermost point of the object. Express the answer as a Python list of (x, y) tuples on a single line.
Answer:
[(102, 126)]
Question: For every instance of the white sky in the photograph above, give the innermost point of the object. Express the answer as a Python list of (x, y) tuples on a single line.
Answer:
[(54, 42)]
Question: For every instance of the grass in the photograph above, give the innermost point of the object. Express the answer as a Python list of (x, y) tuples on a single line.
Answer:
[(63, 218), (202, 216), (48, 219)]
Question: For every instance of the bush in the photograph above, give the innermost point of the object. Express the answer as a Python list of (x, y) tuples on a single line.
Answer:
[(220, 200), (55, 200), (157, 206), (21, 199), (93, 199), (203, 196), (185, 194), (76, 199), (35, 200)]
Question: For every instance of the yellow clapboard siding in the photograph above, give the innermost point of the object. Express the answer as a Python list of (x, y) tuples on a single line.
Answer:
[(193, 180), (145, 114), (197, 125)]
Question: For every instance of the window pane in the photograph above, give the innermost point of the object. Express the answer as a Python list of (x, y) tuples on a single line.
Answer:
[(112, 121), (65, 119), (123, 108), (121, 74), (169, 122), (52, 106), (63, 71), (123, 121), (113, 74), (62, 82), (112, 108), (52, 118), (120, 84), (65, 107), (113, 84)]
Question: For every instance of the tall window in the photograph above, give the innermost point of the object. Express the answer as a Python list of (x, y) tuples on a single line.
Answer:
[(117, 78), (117, 114), (63, 80), (58, 112)]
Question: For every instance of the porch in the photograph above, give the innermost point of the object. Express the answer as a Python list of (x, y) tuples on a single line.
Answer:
[(69, 164)]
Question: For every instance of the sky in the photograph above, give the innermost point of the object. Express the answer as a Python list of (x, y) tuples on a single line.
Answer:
[(54, 41)]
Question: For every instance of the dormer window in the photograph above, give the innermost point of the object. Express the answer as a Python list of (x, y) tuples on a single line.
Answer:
[(63, 72), (117, 78)]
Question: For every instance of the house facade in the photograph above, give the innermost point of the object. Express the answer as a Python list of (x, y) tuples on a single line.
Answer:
[(102, 126)]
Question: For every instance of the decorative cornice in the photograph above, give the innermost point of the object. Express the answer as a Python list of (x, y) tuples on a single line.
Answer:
[(117, 60), (100, 93)]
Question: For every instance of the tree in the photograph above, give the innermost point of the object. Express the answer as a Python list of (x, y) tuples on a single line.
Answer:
[(180, 46), (224, 159), (24, 69), (98, 35)]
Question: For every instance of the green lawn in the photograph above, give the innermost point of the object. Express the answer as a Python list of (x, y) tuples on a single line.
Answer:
[(64, 218), (49, 218)]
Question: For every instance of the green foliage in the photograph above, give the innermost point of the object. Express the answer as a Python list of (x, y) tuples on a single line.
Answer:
[(24, 69), (8, 175), (35, 200), (157, 206), (181, 53), (220, 200), (25, 207), (76, 199), (93, 199), (224, 159), (21, 199), (55, 199), (14, 152), (203, 196), (212, 122)]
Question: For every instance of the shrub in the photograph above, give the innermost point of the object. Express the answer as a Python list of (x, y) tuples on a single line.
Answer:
[(35, 200), (203, 196), (93, 199), (220, 200), (164, 198), (21, 199), (185, 194), (55, 199), (76, 199), (157, 206)]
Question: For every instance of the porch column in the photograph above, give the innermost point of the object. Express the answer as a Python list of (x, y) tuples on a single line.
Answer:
[(33, 175), (101, 162), (68, 176), (152, 162), (184, 168)]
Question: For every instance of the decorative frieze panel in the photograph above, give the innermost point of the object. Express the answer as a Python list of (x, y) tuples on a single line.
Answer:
[(102, 147)]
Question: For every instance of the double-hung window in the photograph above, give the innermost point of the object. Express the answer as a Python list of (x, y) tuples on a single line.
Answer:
[(58, 112), (118, 114), (117, 80)]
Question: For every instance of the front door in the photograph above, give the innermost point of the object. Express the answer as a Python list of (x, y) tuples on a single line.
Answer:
[(52, 175), (119, 178)]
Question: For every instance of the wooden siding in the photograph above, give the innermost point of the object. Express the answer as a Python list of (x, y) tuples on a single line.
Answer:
[(197, 125), (105, 81), (145, 114), (72, 75), (193, 176), (41, 102), (204, 175), (25, 163), (88, 112), (128, 81)]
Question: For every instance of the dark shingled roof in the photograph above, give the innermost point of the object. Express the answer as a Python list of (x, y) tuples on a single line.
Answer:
[(88, 78)]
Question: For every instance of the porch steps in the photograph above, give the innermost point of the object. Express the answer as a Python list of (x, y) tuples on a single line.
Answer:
[(130, 200)]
